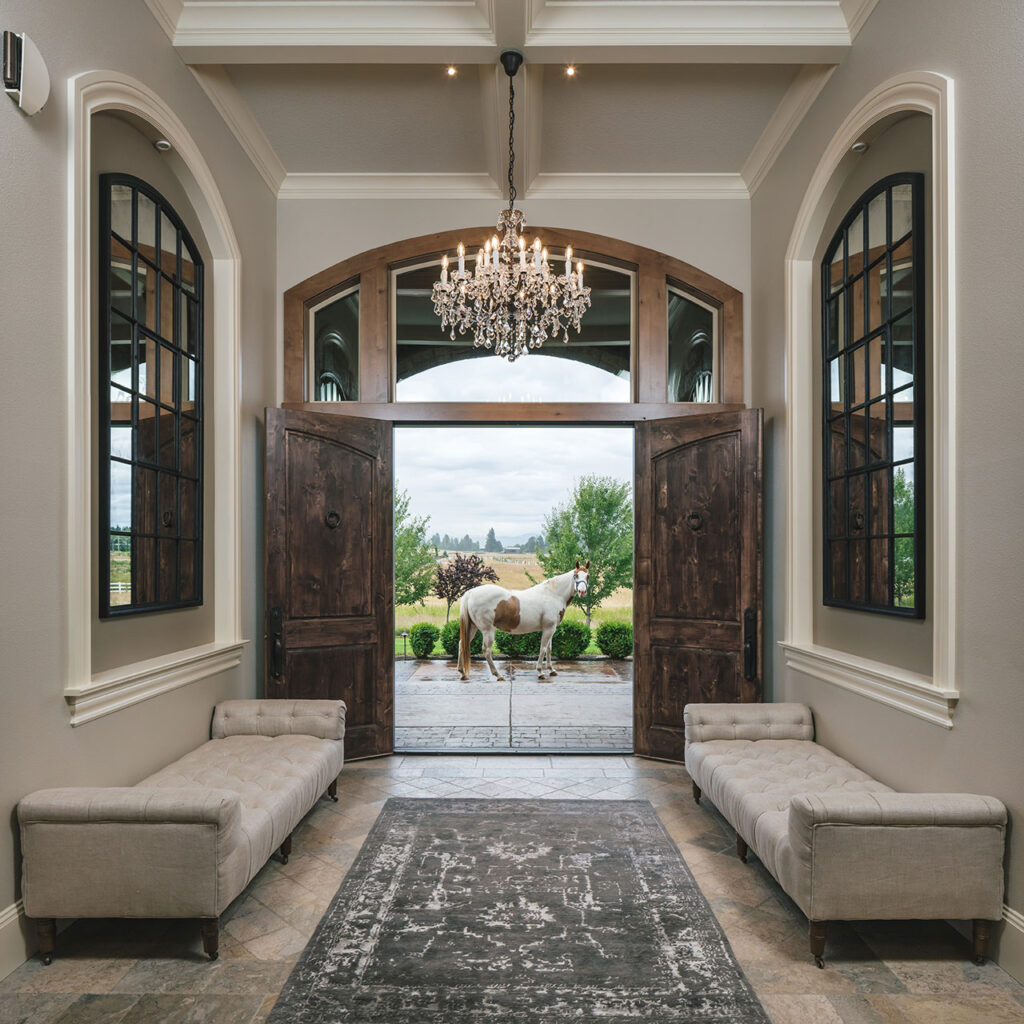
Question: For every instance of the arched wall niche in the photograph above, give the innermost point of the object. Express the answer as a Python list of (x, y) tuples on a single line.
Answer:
[(931, 697), (655, 273), (92, 695)]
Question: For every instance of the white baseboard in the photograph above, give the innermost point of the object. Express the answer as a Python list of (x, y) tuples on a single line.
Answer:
[(1007, 945), (17, 943)]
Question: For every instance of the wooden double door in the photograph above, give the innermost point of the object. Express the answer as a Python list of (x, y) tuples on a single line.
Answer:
[(698, 569)]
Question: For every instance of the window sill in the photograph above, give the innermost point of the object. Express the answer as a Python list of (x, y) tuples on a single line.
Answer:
[(895, 687), (119, 688)]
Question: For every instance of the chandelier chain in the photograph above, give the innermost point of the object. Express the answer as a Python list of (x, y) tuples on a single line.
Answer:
[(511, 142)]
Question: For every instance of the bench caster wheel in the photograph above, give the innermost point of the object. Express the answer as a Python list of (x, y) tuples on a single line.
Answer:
[(819, 963), (979, 960), (47, 959)]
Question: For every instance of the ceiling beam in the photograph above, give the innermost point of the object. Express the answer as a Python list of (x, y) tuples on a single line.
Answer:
[(429, 31)]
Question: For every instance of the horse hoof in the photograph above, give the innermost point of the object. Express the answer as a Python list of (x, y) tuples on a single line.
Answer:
[(552, 673)]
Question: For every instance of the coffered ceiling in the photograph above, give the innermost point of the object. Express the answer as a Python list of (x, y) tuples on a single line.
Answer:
[(672, 97)]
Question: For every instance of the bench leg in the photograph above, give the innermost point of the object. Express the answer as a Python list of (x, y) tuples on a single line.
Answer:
[(46, 936), (286, 850), (741, 848), (332, 790), (696, 792), (982, 931), (817, 936), (211, 935)]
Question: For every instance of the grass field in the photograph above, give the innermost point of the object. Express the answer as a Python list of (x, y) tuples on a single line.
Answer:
[(512, 573)]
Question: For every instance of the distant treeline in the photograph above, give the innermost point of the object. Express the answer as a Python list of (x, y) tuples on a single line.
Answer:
[(491, 544)]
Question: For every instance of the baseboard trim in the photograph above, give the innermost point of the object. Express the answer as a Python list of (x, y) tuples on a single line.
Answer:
[(1008, 945), (16, 940)]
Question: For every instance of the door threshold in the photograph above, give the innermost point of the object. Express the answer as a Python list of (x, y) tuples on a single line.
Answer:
[(546, 751)]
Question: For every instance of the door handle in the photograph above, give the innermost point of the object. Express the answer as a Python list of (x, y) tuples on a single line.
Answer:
[(750, 644), (276, 643)]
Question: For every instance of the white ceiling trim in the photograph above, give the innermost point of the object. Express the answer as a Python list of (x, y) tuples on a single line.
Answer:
[(239, 118), (638, 186), (857, 12), (167, 13), (388, 186), (784, 122)]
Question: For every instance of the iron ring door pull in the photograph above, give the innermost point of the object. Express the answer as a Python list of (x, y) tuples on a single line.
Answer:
[(858, 520), (167, 519), (333, 520), (694, 521)]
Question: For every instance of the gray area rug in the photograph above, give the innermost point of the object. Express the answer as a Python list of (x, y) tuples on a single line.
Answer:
[(509, 911)]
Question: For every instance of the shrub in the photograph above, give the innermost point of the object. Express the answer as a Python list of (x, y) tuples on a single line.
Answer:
[(615, 639), (571, 639), (450, 640), (518, 645), (422, 638)]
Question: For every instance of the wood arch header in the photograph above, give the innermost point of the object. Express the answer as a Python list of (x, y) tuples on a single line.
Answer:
[(655, 272)]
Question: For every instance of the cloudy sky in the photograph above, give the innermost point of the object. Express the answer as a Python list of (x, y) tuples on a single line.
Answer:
[(468, 479)]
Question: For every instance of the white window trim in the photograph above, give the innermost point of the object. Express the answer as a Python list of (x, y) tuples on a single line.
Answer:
[(92, 696), (933, 697)]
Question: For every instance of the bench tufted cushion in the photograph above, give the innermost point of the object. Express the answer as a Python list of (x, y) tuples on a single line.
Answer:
[(705, 722), (752, 783), (278, 778), (322, 718)]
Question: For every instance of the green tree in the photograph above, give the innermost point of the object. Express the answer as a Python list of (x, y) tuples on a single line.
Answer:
[(596, 523), (903, 516), (492, 543), (415, 563)]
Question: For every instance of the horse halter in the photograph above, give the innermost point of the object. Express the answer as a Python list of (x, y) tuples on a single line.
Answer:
[(579, 582)]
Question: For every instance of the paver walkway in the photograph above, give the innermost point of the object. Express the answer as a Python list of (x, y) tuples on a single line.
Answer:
[(588, 706)]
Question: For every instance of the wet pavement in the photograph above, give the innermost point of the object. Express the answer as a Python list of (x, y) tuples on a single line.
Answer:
[(587, 706)]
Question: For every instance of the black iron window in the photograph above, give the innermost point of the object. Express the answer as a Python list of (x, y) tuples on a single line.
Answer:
[(872, 297), (151, 403)]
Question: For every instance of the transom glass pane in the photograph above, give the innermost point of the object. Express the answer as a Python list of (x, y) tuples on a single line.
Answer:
[(592, 366), (335, 339), (692, 349), (873, 418)]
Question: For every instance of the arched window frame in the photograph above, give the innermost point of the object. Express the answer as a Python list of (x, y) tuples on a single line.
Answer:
[(855, 352), (166, 465), (372, 271)]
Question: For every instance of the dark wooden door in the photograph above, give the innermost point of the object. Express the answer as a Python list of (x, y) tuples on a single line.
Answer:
[(698, 614), (329, 540)]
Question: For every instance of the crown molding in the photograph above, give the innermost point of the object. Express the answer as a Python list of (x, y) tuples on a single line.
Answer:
[(239, 118), (167, 14), (638, 186), (388, 186), (784, 122), (856, 13)]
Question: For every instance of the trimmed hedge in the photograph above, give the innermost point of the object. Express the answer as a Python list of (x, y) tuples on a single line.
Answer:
[(571, 639), (422, 638), (518, 645), (615, 639), (450, 639)]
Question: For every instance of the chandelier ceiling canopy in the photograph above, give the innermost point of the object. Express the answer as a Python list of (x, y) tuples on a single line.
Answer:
[(511, 300)]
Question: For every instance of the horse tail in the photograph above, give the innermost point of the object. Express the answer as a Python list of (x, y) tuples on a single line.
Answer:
[(465, 625)]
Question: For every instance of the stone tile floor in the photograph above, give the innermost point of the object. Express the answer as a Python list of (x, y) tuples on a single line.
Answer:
[(587, 706), (144, 972)]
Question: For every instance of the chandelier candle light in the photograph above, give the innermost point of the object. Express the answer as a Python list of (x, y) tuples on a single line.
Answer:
[(510, 301)]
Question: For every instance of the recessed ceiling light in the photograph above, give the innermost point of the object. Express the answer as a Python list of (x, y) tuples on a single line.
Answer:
[(451, 71), (162, 146), (859, 147), (570, 71)]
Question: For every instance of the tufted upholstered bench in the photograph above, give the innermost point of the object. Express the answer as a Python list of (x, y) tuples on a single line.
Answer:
[(185, 841), (843, 845)]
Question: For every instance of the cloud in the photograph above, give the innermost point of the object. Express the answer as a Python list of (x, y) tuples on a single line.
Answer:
[(469, 479)]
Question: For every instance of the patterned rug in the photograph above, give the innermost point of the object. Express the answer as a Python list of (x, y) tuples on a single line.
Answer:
[(515, 911)]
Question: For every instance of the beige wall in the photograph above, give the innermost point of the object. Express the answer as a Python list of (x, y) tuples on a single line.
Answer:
[(978, 45), (37, 746)]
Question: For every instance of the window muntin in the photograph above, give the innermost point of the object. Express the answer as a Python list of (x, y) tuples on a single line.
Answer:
[(334, 336), (872, 289), (593, 366), (693, 348), (151, 404)]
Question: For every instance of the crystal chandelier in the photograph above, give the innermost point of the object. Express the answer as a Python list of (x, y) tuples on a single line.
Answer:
[(512, 300)]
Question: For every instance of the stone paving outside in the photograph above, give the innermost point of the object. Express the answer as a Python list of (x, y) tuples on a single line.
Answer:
[(587, 707)]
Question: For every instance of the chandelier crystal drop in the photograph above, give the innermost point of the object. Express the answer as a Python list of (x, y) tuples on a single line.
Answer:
[(511, 299)]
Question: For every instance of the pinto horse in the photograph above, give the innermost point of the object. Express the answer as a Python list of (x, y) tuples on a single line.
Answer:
[(491, 607)]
